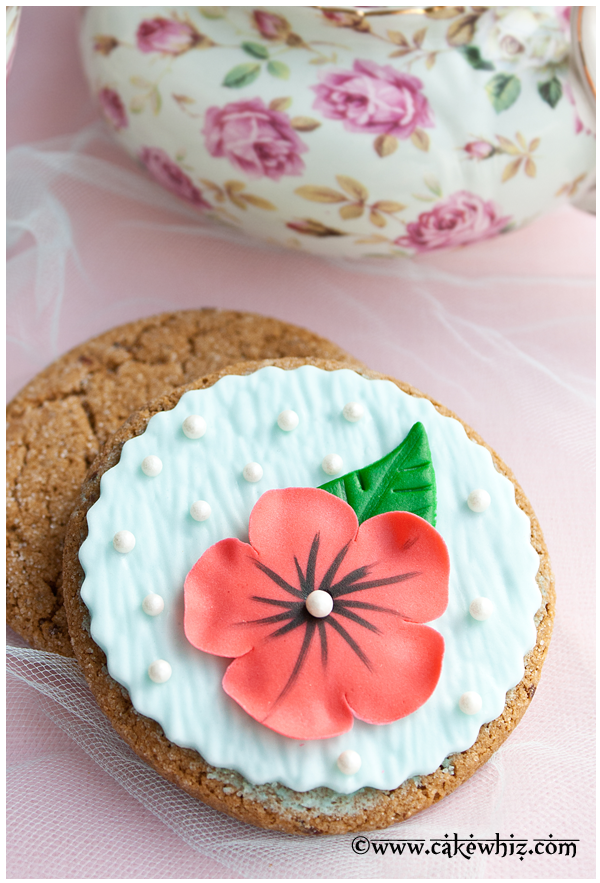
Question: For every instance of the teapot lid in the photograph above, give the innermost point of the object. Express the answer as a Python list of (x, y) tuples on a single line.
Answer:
[(582, 66)]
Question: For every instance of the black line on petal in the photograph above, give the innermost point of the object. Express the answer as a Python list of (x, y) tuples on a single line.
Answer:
[(323, 637), (311, 566), (328, 578), (349, 640), (278, 617), (373, 584), (301, 576), (297, 621), (364, 606), (308, 635), (278, 579), (342, 611), (352, 577), (275, 602)]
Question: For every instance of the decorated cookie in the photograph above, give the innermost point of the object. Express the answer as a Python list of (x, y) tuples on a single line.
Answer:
[(59, 421), (323, 623)]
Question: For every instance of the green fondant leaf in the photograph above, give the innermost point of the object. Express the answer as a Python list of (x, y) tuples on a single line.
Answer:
[(551, 91), (503, 90), (402, 481)]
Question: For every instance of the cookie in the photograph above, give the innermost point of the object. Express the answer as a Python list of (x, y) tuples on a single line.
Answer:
[(57, 424), (308, 595)]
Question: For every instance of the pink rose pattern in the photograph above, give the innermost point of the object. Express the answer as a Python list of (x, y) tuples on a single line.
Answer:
[(166, 36), (261, 141), (255, 139), (461, 219), (170, 175), (271, 26), (478, 149), (113, 108), (375, 99)]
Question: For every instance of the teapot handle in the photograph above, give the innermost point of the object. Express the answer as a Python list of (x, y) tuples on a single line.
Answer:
[(582, 80)]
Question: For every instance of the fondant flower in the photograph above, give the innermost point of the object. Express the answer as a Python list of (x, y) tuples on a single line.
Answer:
[(306, 675), (113, 108), (373, 98), (458, 220), (166, 172), (257, 140)]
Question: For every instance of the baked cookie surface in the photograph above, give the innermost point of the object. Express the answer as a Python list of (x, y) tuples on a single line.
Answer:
[(483, 655), (58, 423)]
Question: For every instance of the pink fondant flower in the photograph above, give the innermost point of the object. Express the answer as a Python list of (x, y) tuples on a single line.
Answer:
[(255, 139), (458, 220), (478, 149), (306, 676), (373, 98), (167, 36), (166, 172), (113, 108), (270, 25)]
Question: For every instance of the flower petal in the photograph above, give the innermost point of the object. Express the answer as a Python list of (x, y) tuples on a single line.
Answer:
[(401, 545), (404, 668), (284, 524), (223, 606), (285, 685)]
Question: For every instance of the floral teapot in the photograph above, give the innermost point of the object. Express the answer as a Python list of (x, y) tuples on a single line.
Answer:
[(348, 132)]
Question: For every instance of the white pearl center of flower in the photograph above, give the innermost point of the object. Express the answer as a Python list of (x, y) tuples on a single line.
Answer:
[(319, 604)]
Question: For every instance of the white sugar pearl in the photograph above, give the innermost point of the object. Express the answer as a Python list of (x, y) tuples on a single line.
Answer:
[(124, 541), (151, 466), (288, 420), (159, 671), (194, 426), (470, 702), (332, 464), (481, 609), (349, 762), (478, 500), (200, 510), (319, 604), (253, 472), (353, 412), (153, 604)]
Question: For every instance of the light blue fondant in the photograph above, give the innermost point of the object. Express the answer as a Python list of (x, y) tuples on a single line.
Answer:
[(490, 555)]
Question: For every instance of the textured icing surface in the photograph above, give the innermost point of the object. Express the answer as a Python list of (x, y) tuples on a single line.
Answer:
[(490, 555)]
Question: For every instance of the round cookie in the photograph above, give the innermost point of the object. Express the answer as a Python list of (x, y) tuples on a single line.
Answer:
[(57, 424), (272, 804)]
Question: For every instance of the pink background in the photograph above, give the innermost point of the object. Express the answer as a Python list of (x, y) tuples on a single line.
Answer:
[(502, 333)]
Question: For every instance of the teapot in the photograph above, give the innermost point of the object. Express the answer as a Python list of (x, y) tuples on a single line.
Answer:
[(351, 131)]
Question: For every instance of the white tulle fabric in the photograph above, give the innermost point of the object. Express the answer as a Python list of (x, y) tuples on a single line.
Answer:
[(502, 333)]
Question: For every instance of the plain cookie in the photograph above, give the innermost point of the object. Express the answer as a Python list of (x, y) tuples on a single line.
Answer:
[(57, 424)]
